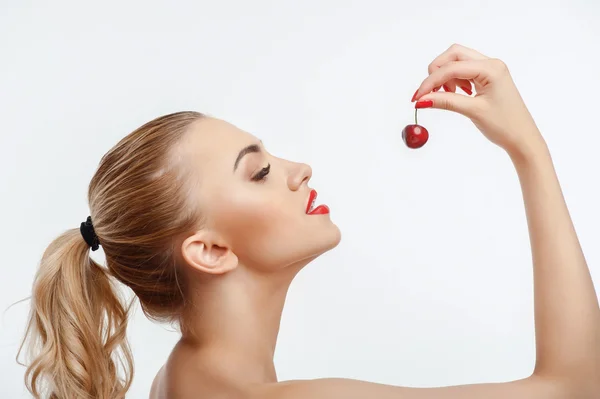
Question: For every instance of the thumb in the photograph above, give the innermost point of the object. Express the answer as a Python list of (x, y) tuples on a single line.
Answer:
[(454, 102)]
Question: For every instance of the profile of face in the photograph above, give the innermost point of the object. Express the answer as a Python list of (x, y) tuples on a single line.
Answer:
[(254, 205)]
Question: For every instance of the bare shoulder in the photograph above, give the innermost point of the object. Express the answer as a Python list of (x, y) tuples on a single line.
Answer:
[(155, 390), (189, 375), (338, 388)]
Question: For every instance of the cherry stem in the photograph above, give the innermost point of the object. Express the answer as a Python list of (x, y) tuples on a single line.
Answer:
[(416, 116)]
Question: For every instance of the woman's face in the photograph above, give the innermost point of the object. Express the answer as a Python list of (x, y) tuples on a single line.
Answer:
[(254, 204)]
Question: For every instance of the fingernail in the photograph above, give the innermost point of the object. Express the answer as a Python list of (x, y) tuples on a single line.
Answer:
[(446, 88), (414, 96), (424, 104), (467, 90)]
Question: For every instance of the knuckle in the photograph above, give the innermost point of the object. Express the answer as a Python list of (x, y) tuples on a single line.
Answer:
[(455, 46), (446, 105), (431, 68), (498, 66)]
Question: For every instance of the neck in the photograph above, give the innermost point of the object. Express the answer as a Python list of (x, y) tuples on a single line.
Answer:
[(235, 318)]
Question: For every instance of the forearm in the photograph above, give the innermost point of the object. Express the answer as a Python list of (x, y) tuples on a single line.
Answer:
[(567, 316)]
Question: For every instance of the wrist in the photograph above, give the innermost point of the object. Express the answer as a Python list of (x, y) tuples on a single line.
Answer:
[(529, 151)]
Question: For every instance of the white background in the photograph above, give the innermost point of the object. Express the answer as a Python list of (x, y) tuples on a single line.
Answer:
[(432, 282)]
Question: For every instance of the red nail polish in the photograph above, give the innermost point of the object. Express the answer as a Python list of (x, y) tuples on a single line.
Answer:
[(436, 88), (446, 88), (414, 96), (424, 104), (466, 90)]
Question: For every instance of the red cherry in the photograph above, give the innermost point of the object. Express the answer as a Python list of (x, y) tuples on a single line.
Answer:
[(415, 136)]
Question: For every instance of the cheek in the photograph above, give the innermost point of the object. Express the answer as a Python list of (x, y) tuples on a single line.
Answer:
[(256, 229)]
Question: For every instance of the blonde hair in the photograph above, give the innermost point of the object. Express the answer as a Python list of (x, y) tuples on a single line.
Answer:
[(139, 201)]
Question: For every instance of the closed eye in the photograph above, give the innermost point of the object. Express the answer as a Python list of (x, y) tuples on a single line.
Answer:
[(262, 174)]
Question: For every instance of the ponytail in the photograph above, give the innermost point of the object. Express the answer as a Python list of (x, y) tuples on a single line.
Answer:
[(76, 334)]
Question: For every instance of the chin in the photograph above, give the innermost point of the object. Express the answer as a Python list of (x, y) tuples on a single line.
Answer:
[(294, 257), (324, 241), (337, 236), (328, 238)]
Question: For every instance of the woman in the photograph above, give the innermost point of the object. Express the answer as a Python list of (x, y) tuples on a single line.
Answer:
[(209, 229)]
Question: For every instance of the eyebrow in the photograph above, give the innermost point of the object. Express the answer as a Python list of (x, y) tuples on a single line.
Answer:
[(252, 148)]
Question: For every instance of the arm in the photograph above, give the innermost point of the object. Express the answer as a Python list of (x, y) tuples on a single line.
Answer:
[(566, 312), (338, 388), (567, 315)]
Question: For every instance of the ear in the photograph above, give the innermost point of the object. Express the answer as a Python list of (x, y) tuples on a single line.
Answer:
[(207, 252)]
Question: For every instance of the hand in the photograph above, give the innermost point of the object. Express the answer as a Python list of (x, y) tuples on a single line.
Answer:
[(497, 109)]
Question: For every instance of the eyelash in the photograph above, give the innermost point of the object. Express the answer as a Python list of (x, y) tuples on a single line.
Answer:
[(262, 175)]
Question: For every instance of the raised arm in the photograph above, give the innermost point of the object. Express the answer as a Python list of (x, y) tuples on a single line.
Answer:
[(567, 316)]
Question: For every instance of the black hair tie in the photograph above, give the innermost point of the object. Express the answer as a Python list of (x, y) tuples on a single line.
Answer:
[(88, 233)]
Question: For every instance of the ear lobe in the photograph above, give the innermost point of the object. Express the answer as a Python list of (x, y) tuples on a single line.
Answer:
[(202, 252)]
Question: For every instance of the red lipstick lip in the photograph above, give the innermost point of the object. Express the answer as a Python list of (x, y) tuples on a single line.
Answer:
[(311, 198)]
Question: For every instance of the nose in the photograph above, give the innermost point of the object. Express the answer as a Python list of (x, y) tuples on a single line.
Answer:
[(299, 173)]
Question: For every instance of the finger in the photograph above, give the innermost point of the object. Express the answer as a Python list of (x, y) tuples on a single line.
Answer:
[(453, 84), (451, 102), (450, 86), (465, 85), (456, 52), (466, 70)]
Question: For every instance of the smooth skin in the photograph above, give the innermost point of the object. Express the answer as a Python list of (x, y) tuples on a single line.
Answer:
[(567, 315)]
